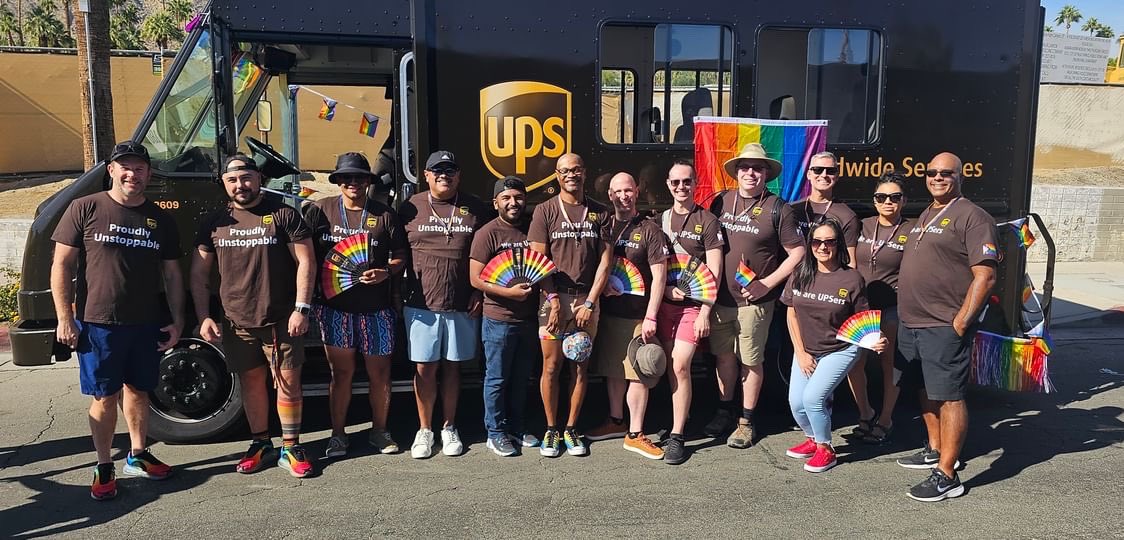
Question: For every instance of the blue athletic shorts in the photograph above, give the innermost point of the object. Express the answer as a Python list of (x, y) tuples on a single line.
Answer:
[(441, 335), (371, 334), (112, 355)]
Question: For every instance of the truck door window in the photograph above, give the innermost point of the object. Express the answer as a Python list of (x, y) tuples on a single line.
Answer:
[(677, 72), (822, 73)]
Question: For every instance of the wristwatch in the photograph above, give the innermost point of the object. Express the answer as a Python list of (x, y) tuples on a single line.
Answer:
[(588, 305), (303, 309)]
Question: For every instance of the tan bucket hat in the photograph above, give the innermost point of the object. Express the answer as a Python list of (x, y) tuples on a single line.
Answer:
[(753, 151), (648, 360)]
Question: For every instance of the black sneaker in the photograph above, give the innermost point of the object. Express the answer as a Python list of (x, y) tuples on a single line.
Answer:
[(926, 458), (719, 425), (674, 452), (937, 487)]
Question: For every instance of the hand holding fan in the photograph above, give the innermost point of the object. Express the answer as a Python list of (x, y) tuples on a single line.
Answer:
[(863, 329), (517, 265), (625, 277), (344, 263), (691, 276), (744, 275)]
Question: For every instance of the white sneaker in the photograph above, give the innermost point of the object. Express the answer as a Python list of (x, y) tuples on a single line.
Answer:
[(423, 444), (451, 442)]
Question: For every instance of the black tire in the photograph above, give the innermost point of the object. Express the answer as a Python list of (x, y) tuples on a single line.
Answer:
[(196, 399)]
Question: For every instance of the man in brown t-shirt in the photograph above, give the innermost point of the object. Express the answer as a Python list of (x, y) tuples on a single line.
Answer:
[(508, 328), (823, 173), (758, 227), (359, 321), (624, 316), (568, 229), (118, 248), (442, 310), (947, 272), (266, 265)]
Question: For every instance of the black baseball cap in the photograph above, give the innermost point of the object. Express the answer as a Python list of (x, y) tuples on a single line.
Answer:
[(351, 163), (440, 157), (130, 148), (508, 182), (248, 164)]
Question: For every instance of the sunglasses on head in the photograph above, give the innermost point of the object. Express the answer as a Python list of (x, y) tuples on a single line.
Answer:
[(449, 171), (881, 198), (675, 182), (944, 173), (820, 242), (831, 171)]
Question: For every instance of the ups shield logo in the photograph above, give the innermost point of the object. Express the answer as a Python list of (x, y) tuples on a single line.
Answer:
[(150, 223), (524, 129), (842, 293), (267, 219)]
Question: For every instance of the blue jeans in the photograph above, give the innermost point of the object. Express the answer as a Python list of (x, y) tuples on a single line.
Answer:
[(509, 349), (810, 397)]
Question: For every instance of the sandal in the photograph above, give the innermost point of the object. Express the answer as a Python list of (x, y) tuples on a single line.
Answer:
[(878, 434), (864, 429)]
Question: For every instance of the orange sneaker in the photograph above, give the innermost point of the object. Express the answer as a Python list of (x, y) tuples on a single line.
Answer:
[(642, 445), (104, 486), (607, 430), (294, 460)]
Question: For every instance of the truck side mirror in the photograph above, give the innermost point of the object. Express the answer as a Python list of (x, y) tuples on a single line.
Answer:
[(264, 116)]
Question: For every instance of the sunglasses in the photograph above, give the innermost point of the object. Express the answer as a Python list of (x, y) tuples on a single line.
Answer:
[(944, 173), (895, 198), (446, 171), (571, 170), (831, 171), (675, 182), (756, 167), (822, 242)]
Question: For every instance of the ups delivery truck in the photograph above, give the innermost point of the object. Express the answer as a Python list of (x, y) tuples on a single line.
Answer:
[(511, 85)]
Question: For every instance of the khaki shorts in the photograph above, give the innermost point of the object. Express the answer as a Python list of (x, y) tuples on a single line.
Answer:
[(249, 348), (610, 353), (742, 330), (566, 319)]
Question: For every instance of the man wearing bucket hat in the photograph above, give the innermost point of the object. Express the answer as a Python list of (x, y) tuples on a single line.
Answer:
[(625, 315), (267, 267), (510, 322), (360, 321), (113, 251), (757, 227)]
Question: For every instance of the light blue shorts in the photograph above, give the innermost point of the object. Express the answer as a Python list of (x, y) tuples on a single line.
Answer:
[(437, 335)]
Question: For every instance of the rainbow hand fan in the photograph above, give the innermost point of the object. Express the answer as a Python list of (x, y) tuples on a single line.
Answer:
[(517, 265), (690, 275), (344, 263), (744, 275), (863, 329), (626, 278)]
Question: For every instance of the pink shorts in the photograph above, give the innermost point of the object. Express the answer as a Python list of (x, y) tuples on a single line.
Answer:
[(676, 322)]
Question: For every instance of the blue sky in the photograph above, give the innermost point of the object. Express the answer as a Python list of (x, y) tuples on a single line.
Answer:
[(1110, 12)]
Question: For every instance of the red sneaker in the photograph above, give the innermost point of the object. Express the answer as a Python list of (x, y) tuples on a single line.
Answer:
[(823, 459), (803, 450), (104, 486)]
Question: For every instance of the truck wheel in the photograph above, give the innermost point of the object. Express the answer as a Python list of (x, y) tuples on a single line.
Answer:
[(196, 398)]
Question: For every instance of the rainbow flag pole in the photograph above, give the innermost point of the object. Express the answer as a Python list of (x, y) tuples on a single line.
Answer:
[(792, 142)]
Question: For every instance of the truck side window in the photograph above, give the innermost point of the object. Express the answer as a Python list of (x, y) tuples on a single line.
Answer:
[(655, 79), (822, 73)]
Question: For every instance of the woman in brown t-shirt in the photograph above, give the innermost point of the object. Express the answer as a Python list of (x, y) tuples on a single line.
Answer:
[(880, 249), (822, 293)]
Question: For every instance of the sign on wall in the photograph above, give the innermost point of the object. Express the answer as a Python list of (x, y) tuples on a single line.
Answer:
[(1074, 58)]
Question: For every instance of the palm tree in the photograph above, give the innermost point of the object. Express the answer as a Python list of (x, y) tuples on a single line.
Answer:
[(180, 10), (1091, 25), (44, 27), (1105, 30), (124, 25), (98, 72), (1067, 16), (160, 29), (1048, 29), (9, 26)]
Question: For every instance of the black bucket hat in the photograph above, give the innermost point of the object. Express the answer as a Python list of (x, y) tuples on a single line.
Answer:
[(351, 163)]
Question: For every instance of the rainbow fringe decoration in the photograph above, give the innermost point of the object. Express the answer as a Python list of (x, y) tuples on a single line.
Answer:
[(328, 110), (863, 329), (1010, 363), (792, 142), (625, 277), (368, 124)]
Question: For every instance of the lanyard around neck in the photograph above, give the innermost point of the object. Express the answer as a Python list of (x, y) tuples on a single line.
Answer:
[(934, 220), (343, 215)]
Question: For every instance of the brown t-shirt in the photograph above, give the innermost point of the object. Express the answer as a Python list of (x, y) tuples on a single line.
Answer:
[(692, 234), (496, 236), (822, 308), (642, 242), (257, 273), (747, 226), (879, 255), (329, 227), (820, 211), (936, 273), (437, 278), (119, 265), (574, 241)]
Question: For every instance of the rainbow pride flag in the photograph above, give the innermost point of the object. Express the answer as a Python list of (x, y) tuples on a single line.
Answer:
[(1021, 228), (368, 124), (328, 110), (792, 142)]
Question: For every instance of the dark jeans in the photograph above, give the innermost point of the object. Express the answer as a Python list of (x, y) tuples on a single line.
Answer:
[(509, 349)]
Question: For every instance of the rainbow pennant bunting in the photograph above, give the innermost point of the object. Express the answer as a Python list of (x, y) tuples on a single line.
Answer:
[(368, 124), (792, 142), (863, 329), (328, 110), (744, 275), (1010, 363), (1021, 228), (626, 278)]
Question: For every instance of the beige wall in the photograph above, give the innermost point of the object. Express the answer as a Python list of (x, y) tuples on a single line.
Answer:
[(1079, 126)]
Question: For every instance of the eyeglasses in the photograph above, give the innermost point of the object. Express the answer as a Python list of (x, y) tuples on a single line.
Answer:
[(817, 243), (831, 171), (675, 182), (881, 198), (755, 167), (945, 173), (571, 171), (446, 171)]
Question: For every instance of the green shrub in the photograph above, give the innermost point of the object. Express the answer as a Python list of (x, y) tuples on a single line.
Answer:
[(9, 291)]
